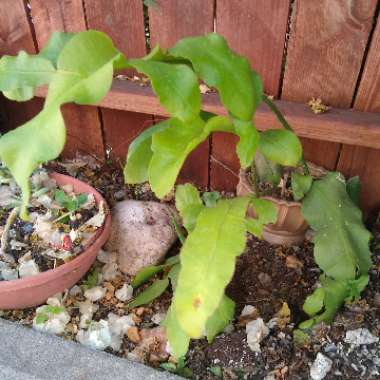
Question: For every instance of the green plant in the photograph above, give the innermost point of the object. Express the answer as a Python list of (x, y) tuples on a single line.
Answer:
[(79, 67)]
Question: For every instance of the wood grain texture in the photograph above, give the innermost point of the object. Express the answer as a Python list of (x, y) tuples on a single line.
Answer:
[(365, 162), (169, 21), (255, 29), (326, 48), (83, 125), (122, 20)]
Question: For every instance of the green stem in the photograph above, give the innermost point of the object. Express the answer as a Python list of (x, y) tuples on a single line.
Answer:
[(286, 125)]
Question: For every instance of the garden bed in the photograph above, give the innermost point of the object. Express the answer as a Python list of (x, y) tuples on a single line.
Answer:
[(273, 280)]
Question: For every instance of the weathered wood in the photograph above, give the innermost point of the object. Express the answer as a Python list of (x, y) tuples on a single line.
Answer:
[(123, 21), (326, 48), (365, 162), (255, 29), (82, 123), (169, 21), (337, 125)]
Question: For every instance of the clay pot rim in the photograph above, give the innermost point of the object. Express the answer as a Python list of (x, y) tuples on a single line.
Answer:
[(47, 276)]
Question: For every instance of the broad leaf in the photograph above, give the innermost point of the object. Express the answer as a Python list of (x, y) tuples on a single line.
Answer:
[(301, 184), (140, 154), (353, 189), (208, 261), (54, 46), (341, 239), (150, 293), (173, 275), (176, 86), (266, 213), (248, 142), (266, 170), (281, 146), (178, 339), (222, 316), (22, 73), (189, 204), (220, 67)]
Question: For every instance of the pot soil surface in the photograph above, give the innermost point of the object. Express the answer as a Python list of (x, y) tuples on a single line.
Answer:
[(274, 280)]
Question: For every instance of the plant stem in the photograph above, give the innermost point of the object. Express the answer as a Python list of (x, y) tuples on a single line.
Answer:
[(286, 125)]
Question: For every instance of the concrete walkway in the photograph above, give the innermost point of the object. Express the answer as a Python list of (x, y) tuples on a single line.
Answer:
[(26, 354)]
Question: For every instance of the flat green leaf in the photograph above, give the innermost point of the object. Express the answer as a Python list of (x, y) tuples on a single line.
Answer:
[(357, 286), (221, 318), (177, 337), (45, 135), (176, 86), (301, 184), (266, 170), (341, 242), (150, 293), (265, 212), (353, 189), (19, 75), (314, 303), (220, 67), (281, 146), (189, 204), (248, 142), (140, 154), (210, 198), (208, 261), (54, 46)]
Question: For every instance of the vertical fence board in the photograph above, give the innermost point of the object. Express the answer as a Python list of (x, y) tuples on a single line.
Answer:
[(257, 30), (15, 35), (82, 123), (326, 48), (123, 21), (361, 161), (169, 21)]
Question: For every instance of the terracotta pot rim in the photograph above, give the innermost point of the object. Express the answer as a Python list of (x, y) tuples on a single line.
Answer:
[(282, 201), (47, 276)]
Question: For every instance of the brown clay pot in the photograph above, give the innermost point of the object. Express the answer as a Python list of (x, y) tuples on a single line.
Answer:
[(290, 227), (35, 290)]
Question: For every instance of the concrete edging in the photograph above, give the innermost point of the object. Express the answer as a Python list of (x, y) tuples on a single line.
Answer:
[(30, 355)]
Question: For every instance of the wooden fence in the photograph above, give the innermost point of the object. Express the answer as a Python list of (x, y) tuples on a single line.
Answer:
[(301, 48)]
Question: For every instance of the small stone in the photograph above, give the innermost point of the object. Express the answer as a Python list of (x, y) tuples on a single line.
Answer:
[(75, 291), (256, 331), (293, 263), (51, 321), (248, 310), (97, 336), (28, 269), (95, 294), (158, 318), (321, 367), (87, 310), (8, 274), (142, 232), (110, 271), (125, 293), (133, 334), (360, 336)]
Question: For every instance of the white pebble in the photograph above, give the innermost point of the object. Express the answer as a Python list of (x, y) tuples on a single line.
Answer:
[(125, 293), (55, 323), (360, 336), (29, 268), (248, 310), (158, 318), (95, 294), (75, 291), (110, 271), (321, 367), (97, 336), (256, 331)]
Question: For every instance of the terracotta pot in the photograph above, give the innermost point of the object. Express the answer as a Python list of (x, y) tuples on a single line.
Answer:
[(290, 227), (35, 290)]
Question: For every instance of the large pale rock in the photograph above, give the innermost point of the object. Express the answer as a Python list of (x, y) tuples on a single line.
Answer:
[(142, 233)]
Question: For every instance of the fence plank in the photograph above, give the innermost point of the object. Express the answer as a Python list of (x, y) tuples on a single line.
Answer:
[(169, 21), (82, 123), (257, 30), (326, 47), (361, 161), (123, 21)]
